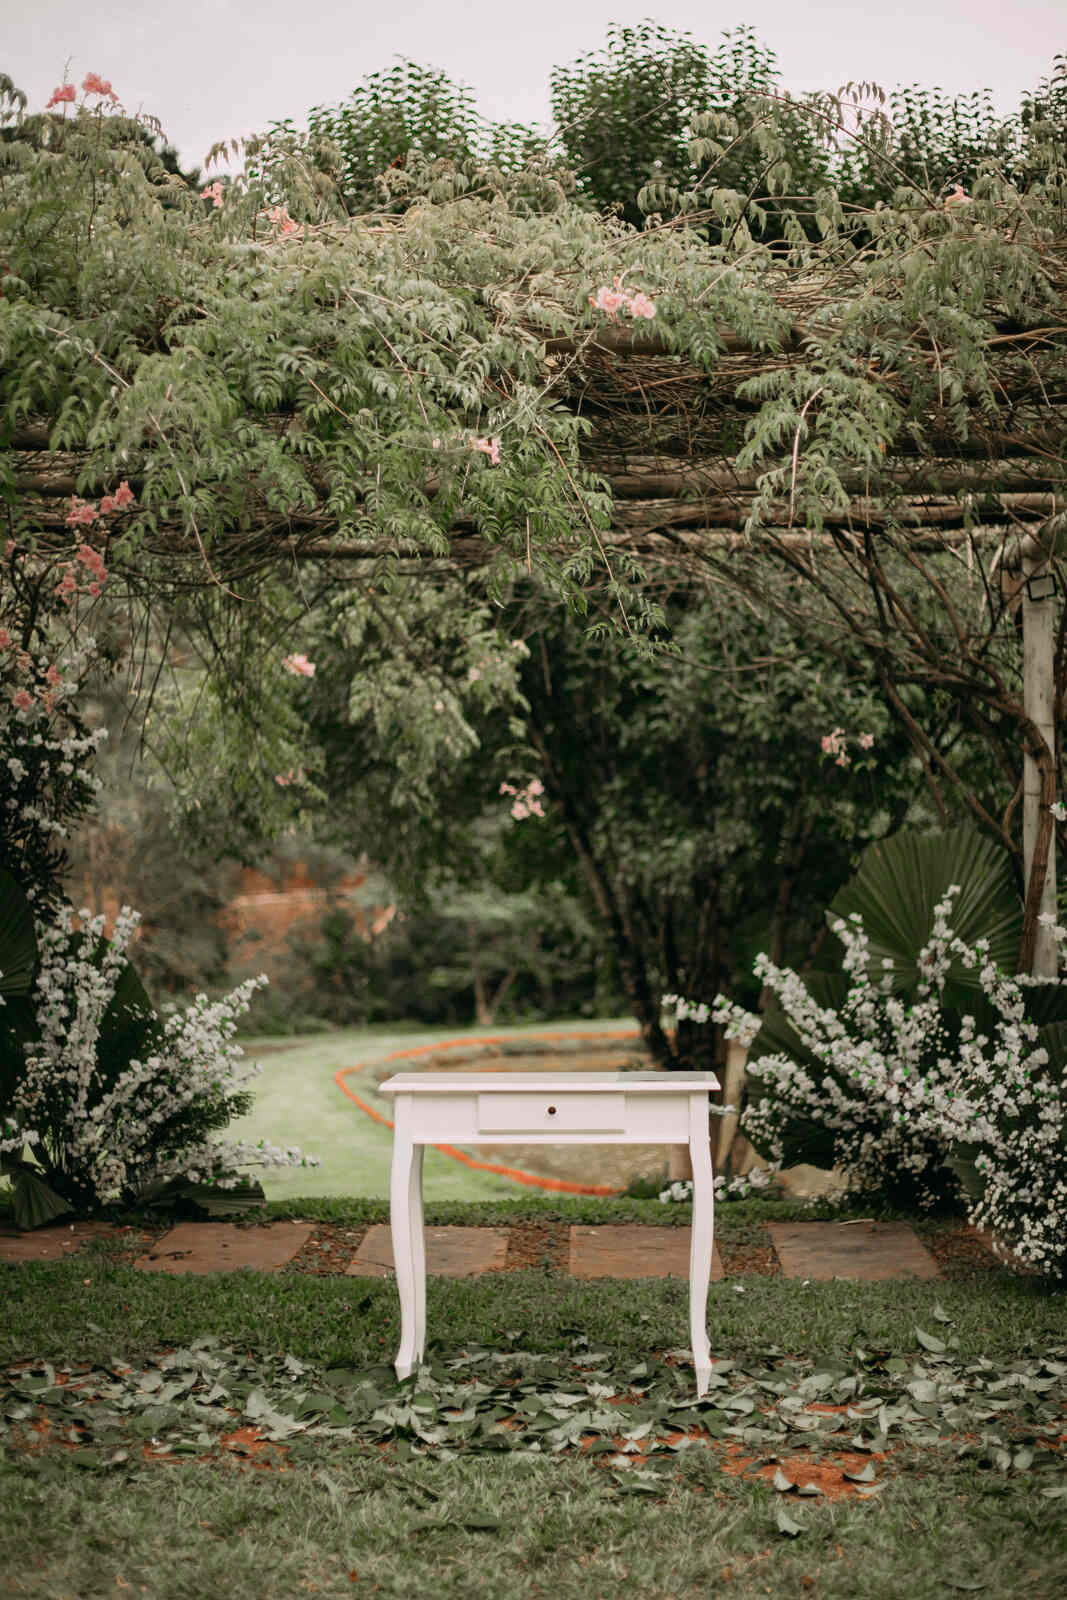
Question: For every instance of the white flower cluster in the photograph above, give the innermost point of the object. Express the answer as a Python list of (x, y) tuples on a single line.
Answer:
[(897, 1094), (724, 1188), (113, 1136)]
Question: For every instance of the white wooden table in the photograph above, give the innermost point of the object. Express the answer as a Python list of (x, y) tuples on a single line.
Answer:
[(543, 1108)]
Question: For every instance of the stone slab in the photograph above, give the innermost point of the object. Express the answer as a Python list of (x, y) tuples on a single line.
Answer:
[(627, 1250), (450, 1252), (51, 1243), (220, 1247), (870, 1251)]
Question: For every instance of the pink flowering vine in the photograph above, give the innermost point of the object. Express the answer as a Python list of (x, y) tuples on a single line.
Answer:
[(281, 218), (525, 803), (610, 300), (299, 666), (123, 496), (82, 514), (81, 511), (213, 192), (92, 83), (833, 744)]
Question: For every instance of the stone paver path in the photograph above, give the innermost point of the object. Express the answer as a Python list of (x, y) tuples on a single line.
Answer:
[(818, 1250), (51, 1243), (867, 1250), (630, 1251), (220, 1247), (450, 1252)]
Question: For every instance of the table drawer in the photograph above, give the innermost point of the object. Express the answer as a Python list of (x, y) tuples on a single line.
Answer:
[(543, 1112)]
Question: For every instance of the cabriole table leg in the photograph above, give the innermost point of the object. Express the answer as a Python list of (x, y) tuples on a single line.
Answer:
[(701, 1239), (405, 1219)]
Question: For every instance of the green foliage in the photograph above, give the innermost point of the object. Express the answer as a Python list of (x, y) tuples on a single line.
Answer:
[(657, 123), (18, 943), (408, 117)]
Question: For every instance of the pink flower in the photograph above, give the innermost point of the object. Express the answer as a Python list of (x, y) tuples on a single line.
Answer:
[(280, 216), (608, 300), (842, 760), (22, 700), (54, 677), (64, 93), (535, 786), (958, 197), (80, 511), (92, 83), (124, 495), (641, 306), (865, 741), (299, 666), (518, 811), (213, 192), (488, 447)]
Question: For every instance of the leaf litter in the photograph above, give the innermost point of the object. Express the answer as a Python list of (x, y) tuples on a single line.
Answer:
[(810, 1427)]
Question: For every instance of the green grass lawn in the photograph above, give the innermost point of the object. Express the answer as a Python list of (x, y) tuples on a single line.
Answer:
[(468, 1481), (298, 1103)]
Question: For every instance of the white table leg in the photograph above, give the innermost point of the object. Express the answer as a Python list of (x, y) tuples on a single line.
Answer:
[(418, 1251), (405, 1217), (701, 1239)]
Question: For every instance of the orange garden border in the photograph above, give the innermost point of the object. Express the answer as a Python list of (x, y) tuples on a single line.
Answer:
[(558, 1185)]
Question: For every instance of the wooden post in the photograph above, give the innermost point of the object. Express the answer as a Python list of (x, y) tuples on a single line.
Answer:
[(1038, 634)]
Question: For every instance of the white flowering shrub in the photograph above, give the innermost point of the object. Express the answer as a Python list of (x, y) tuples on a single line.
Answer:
[(902, 1090), (112, 1099)]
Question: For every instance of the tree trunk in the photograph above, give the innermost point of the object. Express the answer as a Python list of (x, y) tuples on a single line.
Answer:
[(1038, 952)]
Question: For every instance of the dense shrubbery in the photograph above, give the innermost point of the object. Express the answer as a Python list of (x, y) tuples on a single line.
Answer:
[(921, 1069), (111, 1099)]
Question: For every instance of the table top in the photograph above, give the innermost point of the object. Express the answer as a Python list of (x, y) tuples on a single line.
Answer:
[(552, 1082)]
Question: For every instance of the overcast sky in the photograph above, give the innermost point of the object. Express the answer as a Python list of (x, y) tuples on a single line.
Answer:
[(213, 69)]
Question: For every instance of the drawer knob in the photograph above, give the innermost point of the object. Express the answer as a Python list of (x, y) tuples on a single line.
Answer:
[(552, 1111)]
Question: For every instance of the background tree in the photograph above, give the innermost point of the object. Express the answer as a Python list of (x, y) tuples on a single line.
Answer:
[(409, 111), (688, 802), (625, 115)]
